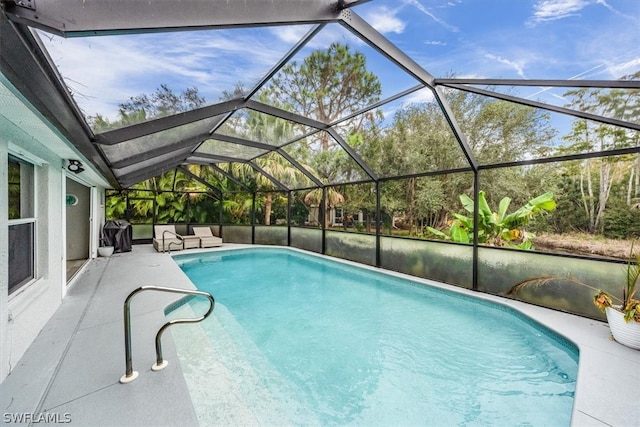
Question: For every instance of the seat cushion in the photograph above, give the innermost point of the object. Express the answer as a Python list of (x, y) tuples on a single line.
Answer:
[(176, 244), (208, 242)]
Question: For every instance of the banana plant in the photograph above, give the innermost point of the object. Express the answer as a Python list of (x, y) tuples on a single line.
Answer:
[(496, 228)]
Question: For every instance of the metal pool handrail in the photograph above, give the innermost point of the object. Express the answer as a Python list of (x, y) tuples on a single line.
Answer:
[(130, 374), (171, 243)]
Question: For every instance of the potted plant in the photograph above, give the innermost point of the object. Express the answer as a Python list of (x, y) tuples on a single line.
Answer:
[(623, 314)]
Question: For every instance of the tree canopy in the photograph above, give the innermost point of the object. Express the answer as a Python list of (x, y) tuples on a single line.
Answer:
[(414, 152)]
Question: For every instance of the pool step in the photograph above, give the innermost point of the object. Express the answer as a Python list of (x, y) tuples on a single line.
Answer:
[(226, 374), (213, 390)]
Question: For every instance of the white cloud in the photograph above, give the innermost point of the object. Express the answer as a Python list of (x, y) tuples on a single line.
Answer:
[(472, 76), (624, 68), (385, 20), (290, 34), (513, 64), (551, 10), (561, 98), (426, 11), (617, 12), (103, 72), (331, 34), (434, 43), (419, 97)]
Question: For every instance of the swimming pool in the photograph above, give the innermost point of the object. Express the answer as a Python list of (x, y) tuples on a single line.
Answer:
[(303, 340)]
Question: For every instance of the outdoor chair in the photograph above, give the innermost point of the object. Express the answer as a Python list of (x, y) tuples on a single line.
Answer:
[(207, 239), (165, 238)]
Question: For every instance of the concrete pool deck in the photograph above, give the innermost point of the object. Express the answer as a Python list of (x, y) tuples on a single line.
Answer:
[(71, 372)]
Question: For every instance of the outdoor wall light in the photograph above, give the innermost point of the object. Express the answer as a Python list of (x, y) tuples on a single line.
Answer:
[(75, 166)]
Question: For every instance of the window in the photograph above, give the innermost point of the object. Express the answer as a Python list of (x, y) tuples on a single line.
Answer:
[(21, 254), (21, 224), (14, 189), (20, 189)]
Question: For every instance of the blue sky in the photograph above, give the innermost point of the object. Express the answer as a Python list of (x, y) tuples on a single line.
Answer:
[(558, 39), (511, 39)]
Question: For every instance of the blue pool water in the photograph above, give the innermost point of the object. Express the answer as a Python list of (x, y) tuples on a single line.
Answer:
[(335, 344)]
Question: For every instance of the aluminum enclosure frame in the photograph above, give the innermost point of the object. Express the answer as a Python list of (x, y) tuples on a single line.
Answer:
[(76, 18)]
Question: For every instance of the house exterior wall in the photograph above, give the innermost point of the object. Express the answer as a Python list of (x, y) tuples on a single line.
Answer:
[(27, 136), (4, 262), (29, 308)]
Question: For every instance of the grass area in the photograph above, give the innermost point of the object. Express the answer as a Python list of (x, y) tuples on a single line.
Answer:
[(584, 244)]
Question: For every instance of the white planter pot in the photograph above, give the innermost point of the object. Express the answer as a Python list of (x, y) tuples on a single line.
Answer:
[(625, 333), (105, 250)]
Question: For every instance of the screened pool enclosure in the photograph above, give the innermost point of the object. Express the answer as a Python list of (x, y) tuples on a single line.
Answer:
[(321, 125)]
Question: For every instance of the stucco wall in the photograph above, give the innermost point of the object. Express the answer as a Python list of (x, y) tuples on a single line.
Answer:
[(25, 134), (4, 262), (29, 308)]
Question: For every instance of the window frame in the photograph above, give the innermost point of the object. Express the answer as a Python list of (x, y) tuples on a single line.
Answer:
[(27, 215)]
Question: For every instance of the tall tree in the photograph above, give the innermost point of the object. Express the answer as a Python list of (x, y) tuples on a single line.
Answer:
[(326, 86), (598, 176), (270, 130), (163, 102), (420, 140)]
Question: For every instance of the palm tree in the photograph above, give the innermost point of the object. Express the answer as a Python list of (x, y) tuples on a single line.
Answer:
[(334, 199), (279, 168), (272, 130)]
